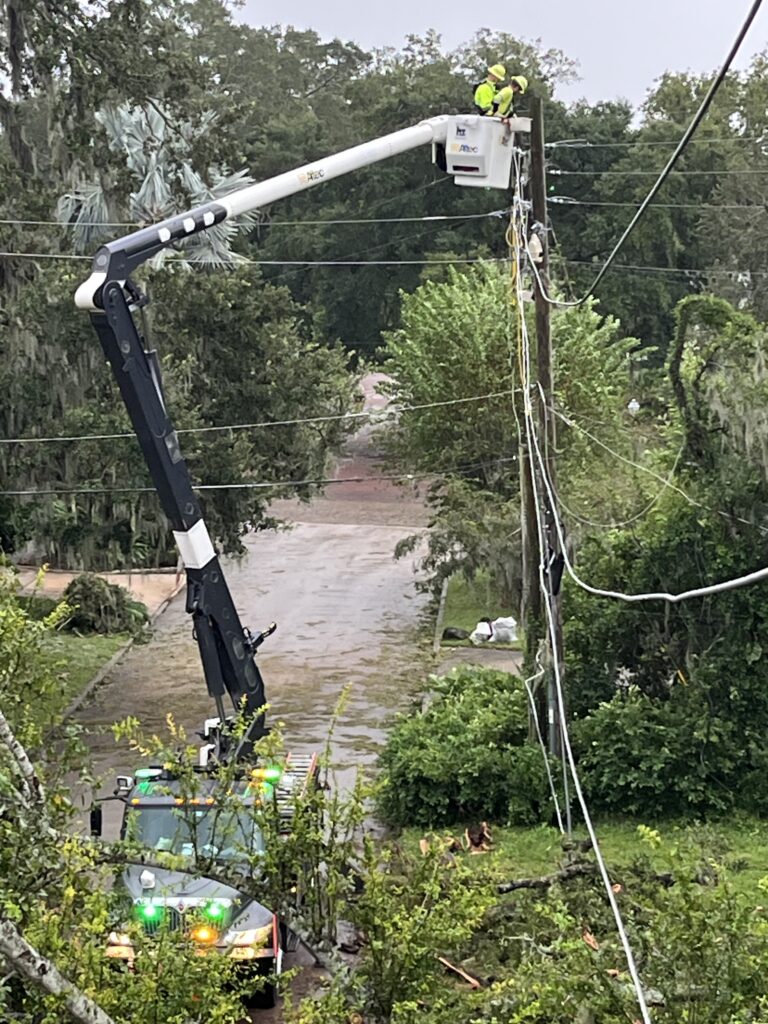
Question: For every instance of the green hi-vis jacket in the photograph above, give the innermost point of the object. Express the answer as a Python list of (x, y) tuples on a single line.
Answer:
[(503, 101), (485, 94)]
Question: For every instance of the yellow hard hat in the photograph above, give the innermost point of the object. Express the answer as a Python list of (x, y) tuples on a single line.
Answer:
[(521, 80), (498, 71)]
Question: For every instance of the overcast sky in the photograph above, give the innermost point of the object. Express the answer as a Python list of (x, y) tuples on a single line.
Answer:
[(621, 45)]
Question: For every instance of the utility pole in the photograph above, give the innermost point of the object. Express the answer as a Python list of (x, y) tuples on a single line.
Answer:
[(544, 402)]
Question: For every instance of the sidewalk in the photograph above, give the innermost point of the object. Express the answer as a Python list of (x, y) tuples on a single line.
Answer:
[(503, 659)]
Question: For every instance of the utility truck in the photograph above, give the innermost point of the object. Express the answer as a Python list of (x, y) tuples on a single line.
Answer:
[(478, 152)]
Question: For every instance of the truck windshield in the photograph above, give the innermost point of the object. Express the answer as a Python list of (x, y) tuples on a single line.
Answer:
[(209, 832)]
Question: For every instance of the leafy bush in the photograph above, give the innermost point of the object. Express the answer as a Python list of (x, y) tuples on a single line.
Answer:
[(648, 757), (102, 607), (37, 606), (465, 755)]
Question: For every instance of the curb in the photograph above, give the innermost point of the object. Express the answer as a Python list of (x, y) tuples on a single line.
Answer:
[(105, 669), (439, 620)]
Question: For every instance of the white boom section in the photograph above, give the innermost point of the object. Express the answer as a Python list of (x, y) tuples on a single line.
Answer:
[(478, 152), (432, 130), (254, 196)]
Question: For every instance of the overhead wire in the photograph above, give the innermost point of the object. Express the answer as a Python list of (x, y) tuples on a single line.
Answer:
[(569, 421), (521, 245), (617, 524), (718, 171), (244, 261), (271, 223), (669, 166), (711, 141), (715, 588), (752, 208), (246, 485), (694, 271), (390, 412), (539, 674)]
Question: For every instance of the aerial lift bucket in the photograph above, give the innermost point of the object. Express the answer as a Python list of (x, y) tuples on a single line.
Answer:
[(478, 150)]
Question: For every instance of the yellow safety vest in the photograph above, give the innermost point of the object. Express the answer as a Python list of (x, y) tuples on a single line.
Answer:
[(484, 96), (503, 101)]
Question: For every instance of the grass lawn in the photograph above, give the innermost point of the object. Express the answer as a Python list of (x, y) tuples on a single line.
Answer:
[(78, 659), (739, 845), (468, 602)]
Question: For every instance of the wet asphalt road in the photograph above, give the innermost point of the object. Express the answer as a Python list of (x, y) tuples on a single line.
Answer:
[(346, 613)]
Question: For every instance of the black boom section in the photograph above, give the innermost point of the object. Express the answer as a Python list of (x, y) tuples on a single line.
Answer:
[(226, 649)]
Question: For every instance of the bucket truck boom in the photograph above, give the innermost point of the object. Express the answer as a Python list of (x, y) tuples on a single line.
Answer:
[(478, 152)]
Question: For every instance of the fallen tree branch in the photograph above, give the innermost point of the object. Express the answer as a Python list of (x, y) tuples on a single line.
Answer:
[(571, 871), (44, 974), (31, 785), (455, 969)]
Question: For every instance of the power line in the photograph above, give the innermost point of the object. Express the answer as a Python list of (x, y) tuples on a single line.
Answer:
[(73, 224), (377, 414), (712, 141), (428, 229), (353, 263), (720, 172), (542, 746), (618, 524), (693, 271), (752, 208), (274, 223), (267, 485), (244, 261), (44, 256), (668, 169), (651, 472), (715, 588)]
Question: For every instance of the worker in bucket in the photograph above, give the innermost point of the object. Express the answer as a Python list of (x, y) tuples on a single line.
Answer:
[(504, 100), (485, 91)]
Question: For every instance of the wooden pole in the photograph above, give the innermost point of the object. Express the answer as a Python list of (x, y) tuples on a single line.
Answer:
[(544, 397)]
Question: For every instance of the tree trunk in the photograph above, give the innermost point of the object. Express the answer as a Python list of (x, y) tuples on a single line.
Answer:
[(25, 961)]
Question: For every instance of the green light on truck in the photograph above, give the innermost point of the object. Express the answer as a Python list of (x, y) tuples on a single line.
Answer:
[(150, 911)]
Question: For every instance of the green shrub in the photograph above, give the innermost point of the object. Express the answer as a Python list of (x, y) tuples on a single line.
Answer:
[(465, 755), (102, 607), (37, 606), (643, 756)]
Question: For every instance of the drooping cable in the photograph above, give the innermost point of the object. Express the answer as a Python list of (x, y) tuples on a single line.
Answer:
[(620, 523), (554, 646), (715, 588), (657, 476), (535, 716)]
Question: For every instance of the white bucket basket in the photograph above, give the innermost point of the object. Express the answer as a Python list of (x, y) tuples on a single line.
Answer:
[(478, 150)]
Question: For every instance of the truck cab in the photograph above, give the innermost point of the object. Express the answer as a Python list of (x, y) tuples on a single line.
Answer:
[(161, 817)]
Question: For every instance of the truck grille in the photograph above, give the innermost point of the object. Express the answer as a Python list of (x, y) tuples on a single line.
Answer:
[(170, 919)]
